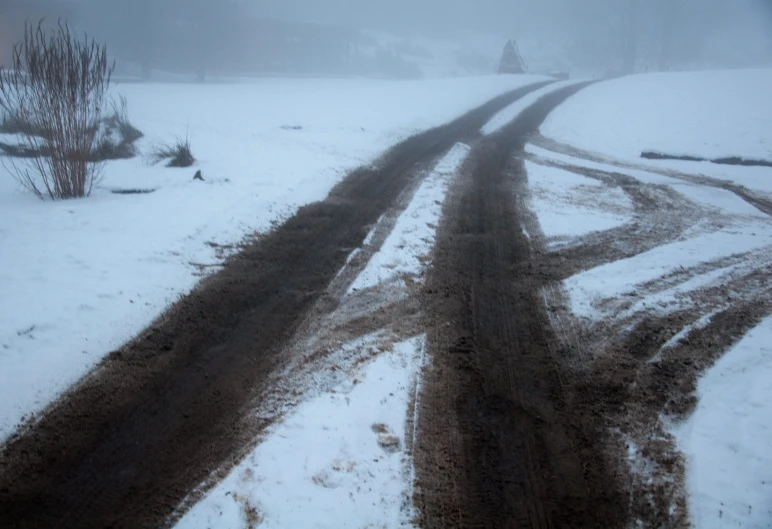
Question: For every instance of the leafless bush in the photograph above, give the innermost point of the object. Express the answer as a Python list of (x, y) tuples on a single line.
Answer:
[(118, 134), (54, 92), (179, 154), (120, 120), (8, 125)]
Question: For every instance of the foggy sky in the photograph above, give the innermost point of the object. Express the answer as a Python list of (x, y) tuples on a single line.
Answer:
[(590, 35), (496, 16), (431, 15)]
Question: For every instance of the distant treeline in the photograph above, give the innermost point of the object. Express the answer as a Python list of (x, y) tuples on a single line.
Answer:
[(204, 37)]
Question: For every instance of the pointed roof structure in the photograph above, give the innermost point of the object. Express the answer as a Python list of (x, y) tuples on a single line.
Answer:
[(511, 61)]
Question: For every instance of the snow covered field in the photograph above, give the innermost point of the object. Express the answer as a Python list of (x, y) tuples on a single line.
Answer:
[(80, 278), (704, 114)]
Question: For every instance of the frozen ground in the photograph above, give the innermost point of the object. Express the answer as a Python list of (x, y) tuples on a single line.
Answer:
[(79, 278), (512, 111), (567, 204), (727, 439), (405, 249)]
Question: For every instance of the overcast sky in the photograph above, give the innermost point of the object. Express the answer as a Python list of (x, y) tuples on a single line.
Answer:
[(595, 33), (500, 16)]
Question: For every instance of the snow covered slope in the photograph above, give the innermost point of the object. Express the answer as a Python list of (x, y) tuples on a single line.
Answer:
[(703, 114), (79, 278)]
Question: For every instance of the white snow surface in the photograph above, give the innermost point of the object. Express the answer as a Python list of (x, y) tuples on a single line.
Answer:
[(567, 203), (323, 466), (728, 439), (707, 114), (507, 115), (404, 250), (79, 278)]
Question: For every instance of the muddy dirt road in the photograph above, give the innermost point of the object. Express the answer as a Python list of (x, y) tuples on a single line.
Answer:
[(528, 417), (525, 416), (496, 445), (125, 447)]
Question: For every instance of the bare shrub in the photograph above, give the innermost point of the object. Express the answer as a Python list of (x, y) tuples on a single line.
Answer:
[(8, 124), (54, 92), (120, 119), (118, 135), (179, 154)]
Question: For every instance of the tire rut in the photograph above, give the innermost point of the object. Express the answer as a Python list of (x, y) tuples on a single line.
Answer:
[(495, 446), (760, 201), (126, 445), (660, 215)]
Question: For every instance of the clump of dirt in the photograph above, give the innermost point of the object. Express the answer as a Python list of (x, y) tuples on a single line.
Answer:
[(380, 428), (252, 515)]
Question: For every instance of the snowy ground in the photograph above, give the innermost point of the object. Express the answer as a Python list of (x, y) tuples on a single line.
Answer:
[(337, 461), (705, 114), (570, 205), (79, 278), (726, 440)]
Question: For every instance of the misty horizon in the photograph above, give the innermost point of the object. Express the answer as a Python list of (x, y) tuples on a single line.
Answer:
[(406, 38)]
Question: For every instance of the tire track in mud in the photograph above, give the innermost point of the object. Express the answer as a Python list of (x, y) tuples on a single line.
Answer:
[(761, 201), (126, 445), (660, 215), (636, 366), (499, 444), (643, 376)]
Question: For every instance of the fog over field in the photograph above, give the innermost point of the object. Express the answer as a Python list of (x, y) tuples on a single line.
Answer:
[(415, 38)]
